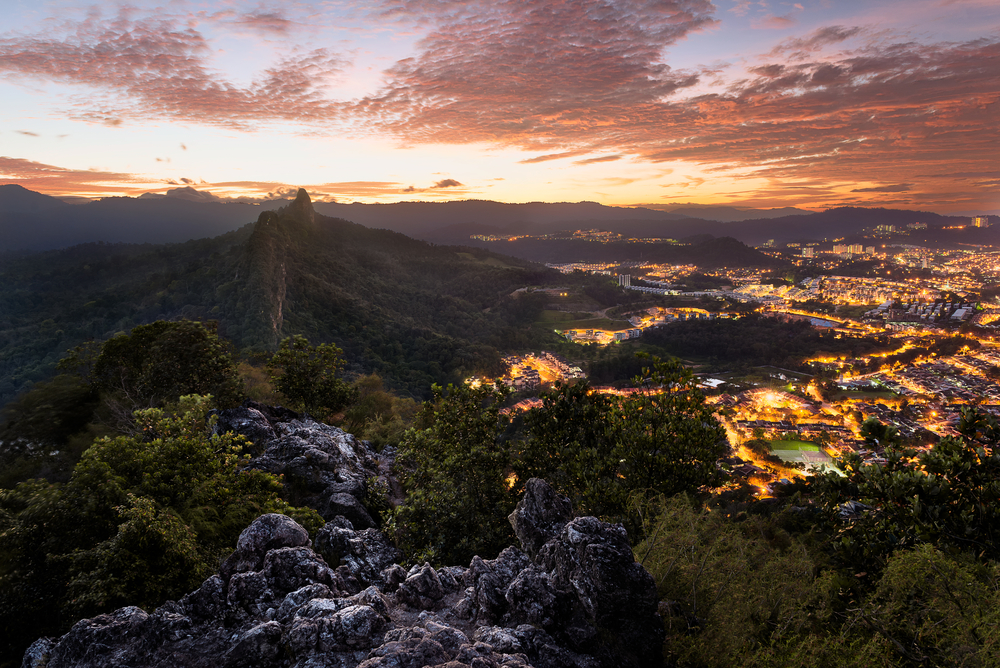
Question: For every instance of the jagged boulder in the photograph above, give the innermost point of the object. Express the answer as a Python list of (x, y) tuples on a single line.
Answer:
[(581, 602), (612, 599), (323, 467), (583, 587), (255, 421), (539, 516), (266, 533), (366, 553)]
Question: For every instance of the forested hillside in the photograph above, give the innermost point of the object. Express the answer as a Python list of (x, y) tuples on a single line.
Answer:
[(414, 312)]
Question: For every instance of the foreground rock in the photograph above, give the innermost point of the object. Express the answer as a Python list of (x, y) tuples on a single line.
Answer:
[(323, 467), (581, 601)]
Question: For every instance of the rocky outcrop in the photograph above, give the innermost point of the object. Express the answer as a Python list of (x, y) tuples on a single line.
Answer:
[(323, 467), (255, 421), (341, 600)]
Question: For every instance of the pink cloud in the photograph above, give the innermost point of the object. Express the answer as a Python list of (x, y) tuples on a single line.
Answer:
[(53, 180), (151, 68), (818, 39), (511, 71), (552, 156), (603, 158), (772, 22)]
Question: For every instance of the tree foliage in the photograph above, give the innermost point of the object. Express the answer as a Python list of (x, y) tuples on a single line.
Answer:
[(307, 375), (454, 471), (463, 471), (156, 363), (601, 450), (946, 496), (143, 518), (754, 590)]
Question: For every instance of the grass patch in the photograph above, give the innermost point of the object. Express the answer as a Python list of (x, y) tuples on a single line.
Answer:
[(793, 445), (552, 317), (490, 261)]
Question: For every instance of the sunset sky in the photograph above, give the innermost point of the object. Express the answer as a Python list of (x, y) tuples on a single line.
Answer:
[(814, 104)]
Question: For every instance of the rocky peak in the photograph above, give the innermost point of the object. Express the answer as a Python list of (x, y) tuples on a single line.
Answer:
[(302, 207)]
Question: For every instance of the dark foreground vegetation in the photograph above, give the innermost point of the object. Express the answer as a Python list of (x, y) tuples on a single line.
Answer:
[(117, 492)]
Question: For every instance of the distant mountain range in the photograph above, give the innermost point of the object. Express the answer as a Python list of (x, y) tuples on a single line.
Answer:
[(729, 214), (31, 221)]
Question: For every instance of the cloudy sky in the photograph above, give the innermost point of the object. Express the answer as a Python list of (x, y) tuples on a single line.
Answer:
[(814, 103)]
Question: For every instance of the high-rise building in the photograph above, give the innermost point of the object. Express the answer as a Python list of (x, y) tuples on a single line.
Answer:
[(980, 221), (870, 250), (807, 252), (625, 280)]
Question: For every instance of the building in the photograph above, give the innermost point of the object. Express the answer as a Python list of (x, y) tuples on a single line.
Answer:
[(980, 221), (624, 280), (807, 252)]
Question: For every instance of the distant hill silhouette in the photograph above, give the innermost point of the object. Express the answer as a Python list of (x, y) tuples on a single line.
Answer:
[(708, 252), (32, 221), (729, 214)]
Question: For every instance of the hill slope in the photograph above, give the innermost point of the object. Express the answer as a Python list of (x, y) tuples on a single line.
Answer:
[(414, 312)]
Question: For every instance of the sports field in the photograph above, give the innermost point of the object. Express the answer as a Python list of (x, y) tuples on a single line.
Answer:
[(793, 445)]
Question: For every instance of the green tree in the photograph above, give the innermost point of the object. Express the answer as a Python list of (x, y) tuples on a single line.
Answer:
[(157, 363), (306, 375), (43, 432), (571, 442), (600, 450), (378, 415), (143, 518), (671, 439), (945, 497), (876, 433), (455, 474)]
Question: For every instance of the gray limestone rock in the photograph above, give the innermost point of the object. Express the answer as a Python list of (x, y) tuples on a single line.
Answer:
[(582, 602), (266, 533), (342, 503), (422, 589), (539, 516), (366, 554), (37, 655)]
